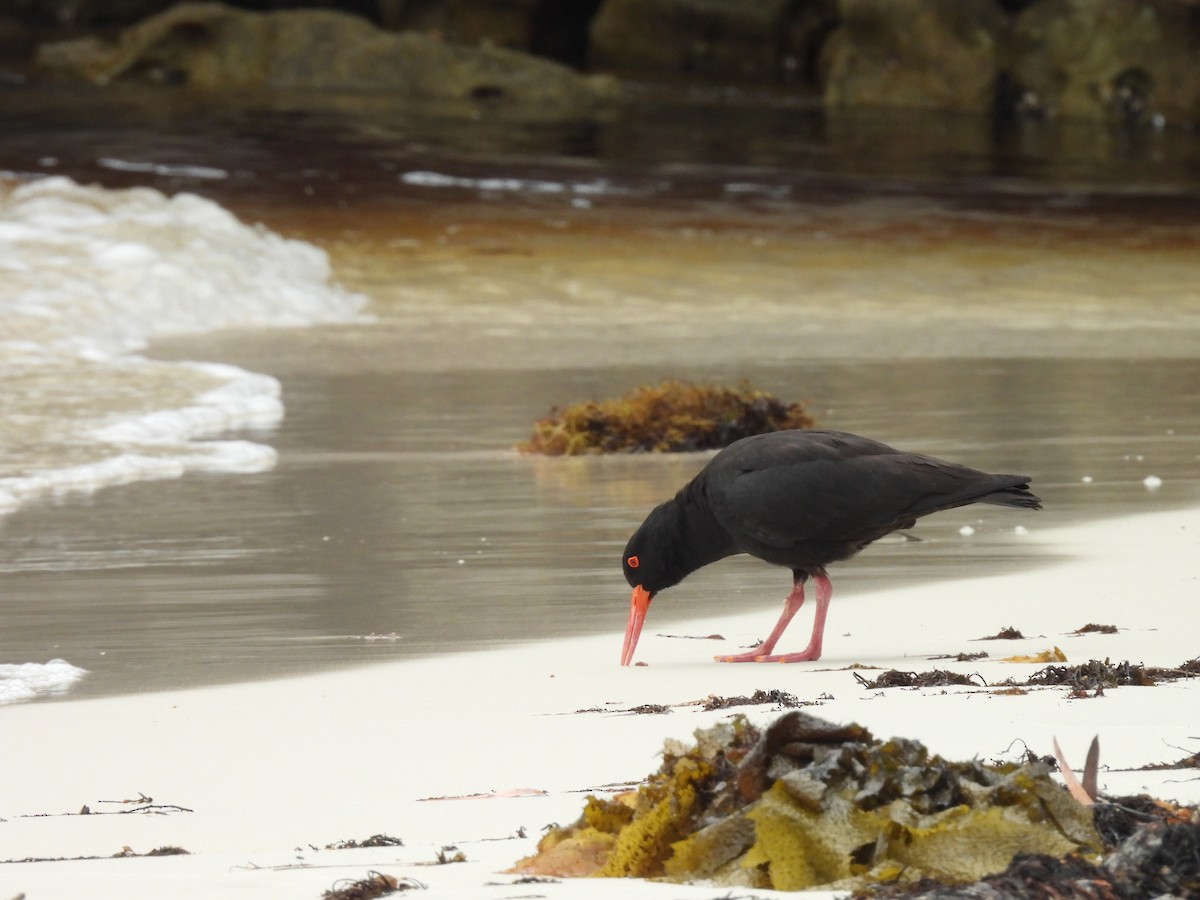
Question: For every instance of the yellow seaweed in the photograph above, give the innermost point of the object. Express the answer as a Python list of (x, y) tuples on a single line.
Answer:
[(660, 820), (802, 848), (804, 803), (710, 851), (1044, 656), (965, 843)]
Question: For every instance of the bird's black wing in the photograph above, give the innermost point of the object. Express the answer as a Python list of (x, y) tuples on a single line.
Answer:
[(786, 488)]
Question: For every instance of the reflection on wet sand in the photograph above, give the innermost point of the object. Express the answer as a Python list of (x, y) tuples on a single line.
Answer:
[(399, 509)]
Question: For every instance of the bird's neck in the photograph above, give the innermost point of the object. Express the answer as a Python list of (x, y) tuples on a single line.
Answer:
[(698, 539)]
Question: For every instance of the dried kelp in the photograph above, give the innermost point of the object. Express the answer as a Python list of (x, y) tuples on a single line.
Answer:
[(376, 884), (1008, 633), (672, 416), (806, 803), (1187, 762), (1093, 628), (1159, 860), (124, 853), (1117, 818), (1189, 669), (375, 840), (775, 697), (1093, 675), (935, 678), (644, 709)]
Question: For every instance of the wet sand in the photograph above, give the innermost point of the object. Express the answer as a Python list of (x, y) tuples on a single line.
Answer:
[(400, 522)]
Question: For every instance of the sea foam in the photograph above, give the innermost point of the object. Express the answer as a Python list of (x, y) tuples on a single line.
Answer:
[(88, 277), (28, 681)]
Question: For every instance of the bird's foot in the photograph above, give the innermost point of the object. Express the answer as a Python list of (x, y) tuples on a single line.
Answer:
[(807, 655), (802, 656), (755, 655)]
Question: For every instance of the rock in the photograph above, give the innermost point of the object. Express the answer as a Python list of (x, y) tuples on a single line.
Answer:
[(503, 23), (16, 40), (555, 29), (211, 46), (733, 40), (1128, 60), (935, 54), (108, 14)]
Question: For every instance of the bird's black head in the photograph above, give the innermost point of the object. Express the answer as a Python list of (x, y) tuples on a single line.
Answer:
[(649, 559), (677, 537), (646, 569)]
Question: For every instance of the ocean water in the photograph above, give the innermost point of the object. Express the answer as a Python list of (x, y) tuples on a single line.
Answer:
[(89, 277), (263, 374)]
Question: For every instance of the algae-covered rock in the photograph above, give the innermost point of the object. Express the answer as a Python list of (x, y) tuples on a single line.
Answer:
[(932, 54), (764, 41), (1123, 60), (806, 803), (212, 46), (671, 416)]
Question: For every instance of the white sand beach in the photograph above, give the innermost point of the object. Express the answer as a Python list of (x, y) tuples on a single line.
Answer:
[(254, 780)]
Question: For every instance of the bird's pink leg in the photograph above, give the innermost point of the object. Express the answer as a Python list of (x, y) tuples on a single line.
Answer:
[(762, 653), (793, 602), (813, 650)]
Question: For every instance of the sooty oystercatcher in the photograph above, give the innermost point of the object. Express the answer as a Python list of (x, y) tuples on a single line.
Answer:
[(801, 499)]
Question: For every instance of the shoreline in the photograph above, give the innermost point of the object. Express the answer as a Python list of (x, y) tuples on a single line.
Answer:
[(270, 770)]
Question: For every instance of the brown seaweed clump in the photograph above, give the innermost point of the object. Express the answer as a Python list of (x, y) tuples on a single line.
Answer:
[(674, 416), (935, 678), (376, 884), (1093, 675), (806, 803)]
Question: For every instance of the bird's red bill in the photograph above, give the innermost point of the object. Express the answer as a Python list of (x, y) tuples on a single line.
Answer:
[(638, 604)]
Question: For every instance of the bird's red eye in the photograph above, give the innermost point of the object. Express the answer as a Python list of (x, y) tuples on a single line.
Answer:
[(632, 562)]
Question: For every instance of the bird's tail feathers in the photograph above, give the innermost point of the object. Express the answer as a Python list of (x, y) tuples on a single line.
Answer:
[(1017, 495)]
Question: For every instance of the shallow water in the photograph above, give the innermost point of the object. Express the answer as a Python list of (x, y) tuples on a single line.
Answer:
[(982, 310), (397, 522)]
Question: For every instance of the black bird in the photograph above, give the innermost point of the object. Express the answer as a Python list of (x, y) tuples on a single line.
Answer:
[(801, 499)]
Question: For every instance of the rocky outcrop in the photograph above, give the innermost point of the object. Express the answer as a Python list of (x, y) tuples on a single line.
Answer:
[(215, 47), (763, 41), (1129, 60), (16, 39), (937, 54), (504, 23), (555, 29)]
